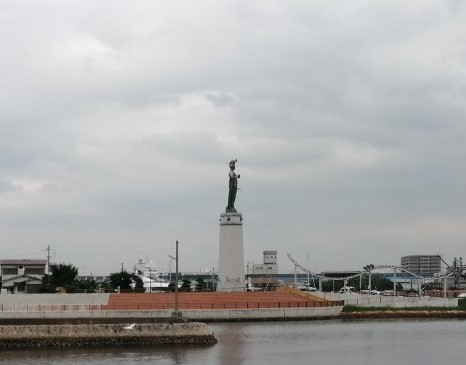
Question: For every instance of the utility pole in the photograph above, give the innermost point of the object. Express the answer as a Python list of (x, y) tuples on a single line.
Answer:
[(48, 259), (213, 278), (176, 313), (150, 279), (308, 282)]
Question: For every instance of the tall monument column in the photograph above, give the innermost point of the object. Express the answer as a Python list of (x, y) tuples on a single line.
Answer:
[(231, 257)]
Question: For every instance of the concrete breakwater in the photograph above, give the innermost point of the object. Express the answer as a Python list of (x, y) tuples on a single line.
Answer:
[(93, 335)]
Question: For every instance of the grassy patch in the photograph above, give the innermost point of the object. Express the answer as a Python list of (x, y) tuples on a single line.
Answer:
[(462, 303)]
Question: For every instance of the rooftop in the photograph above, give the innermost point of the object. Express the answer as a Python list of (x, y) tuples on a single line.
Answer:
[(23, 262)]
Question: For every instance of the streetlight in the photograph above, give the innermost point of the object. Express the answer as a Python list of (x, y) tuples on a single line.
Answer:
[(171, 259), (176, 313)]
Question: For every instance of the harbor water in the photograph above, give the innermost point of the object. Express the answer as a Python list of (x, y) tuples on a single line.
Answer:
[(331, 342)]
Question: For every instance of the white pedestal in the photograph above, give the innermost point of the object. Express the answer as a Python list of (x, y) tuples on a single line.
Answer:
[(231, 257)]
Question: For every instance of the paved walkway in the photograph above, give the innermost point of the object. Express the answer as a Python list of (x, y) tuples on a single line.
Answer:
[(213, 300), (205, 306)]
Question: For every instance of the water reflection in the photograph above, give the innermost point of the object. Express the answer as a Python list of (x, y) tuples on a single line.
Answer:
[(233, 343), (100, 356), (290, 343)]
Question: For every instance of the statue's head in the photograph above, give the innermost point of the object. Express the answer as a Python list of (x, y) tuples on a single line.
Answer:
[(232, 164)]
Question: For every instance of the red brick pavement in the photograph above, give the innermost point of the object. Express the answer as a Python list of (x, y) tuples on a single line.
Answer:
[(211, 300)]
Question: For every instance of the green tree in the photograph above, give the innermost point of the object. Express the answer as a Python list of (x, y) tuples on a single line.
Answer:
[(381, 283), (171, 287), (106, 287), (126, 281), (138, 283), (378, 283), (186, 286), (47, 285), (200, 284), (61, 275), (120, 279), (328, 285), (82, 285)]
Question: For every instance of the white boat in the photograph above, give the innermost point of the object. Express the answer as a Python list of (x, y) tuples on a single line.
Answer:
[(150, 277)]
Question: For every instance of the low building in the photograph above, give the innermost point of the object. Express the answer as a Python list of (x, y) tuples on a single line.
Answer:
[(422, 265), (270, 265), (264, 276), (22, 276)]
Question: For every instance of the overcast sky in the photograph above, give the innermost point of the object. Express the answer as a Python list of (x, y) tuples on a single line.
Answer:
[(118, 120)]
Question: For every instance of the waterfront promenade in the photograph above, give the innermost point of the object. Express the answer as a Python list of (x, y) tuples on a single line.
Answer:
[(206, 306)]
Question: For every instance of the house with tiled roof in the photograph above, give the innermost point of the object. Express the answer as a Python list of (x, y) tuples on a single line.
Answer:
[(22, 276)]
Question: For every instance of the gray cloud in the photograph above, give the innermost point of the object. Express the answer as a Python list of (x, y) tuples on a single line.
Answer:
[(117, 123)]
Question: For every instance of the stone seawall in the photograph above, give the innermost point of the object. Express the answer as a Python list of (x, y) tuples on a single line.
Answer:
[(94, 335)]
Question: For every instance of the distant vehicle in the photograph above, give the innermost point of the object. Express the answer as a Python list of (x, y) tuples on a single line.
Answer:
[(462, 295), (388, 293), (364, 291), (376, 292), (347, 289), (307, 287)]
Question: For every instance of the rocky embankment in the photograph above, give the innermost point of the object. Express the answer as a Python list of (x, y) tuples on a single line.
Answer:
[(404, 314), (94, 335)]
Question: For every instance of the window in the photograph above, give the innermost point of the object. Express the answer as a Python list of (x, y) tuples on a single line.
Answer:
[(10, 271), (34, 271)]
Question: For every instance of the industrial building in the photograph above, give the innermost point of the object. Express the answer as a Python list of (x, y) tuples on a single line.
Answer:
[(264, 275), (422, 265)]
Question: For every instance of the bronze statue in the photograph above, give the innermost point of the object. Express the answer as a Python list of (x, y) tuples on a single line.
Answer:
[(233, 188)]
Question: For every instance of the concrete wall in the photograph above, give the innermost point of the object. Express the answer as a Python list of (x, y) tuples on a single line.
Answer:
[(258, 314), (211, 314), (366, 300), (54, 299)]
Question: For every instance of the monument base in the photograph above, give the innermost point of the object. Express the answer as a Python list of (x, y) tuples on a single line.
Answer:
[(231, 256)]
